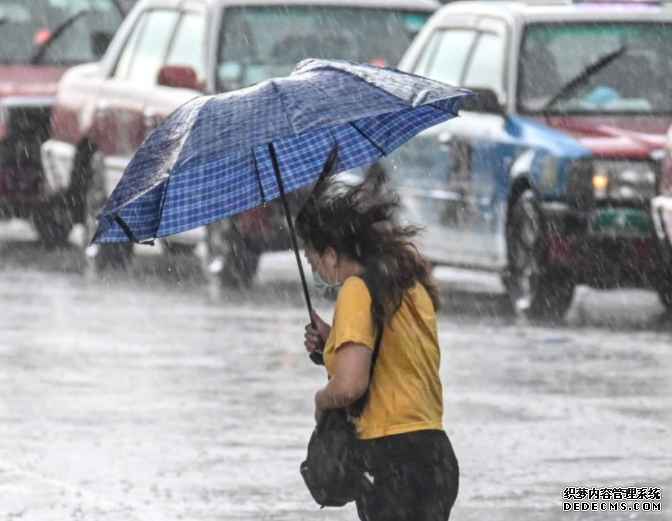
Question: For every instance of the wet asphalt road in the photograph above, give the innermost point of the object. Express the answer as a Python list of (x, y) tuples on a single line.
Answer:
[(147, 396)]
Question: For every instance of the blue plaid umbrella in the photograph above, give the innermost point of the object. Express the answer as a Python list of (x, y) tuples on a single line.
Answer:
[(220, 155)]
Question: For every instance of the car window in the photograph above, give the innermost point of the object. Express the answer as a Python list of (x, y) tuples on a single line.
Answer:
[(486, 66), (427, 54), (188, 46), (260, 42), (56, 32), (124, 61), (638, 80), (446, 54), (144, 52)]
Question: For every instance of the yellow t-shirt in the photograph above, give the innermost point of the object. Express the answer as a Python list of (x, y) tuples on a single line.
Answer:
[(405, 394)]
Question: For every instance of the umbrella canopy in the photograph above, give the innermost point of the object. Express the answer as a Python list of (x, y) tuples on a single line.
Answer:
[(220, 155)]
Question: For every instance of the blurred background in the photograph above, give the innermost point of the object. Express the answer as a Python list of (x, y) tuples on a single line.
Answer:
[(170, 381)]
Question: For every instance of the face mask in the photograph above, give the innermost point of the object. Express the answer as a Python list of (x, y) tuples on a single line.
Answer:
[(328, 291)]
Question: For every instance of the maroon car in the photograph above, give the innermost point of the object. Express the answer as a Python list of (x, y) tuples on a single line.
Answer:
[(39, 40), (169, 51)]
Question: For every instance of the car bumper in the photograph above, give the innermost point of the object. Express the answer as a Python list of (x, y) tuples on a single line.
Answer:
[(606, 247), (21, 183), (21, 190)]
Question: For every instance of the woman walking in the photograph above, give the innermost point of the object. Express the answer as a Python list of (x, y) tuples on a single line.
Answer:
[(367, 263)]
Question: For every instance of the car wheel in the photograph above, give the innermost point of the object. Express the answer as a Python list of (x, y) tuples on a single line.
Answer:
[(664, 290), (231, 259), (53, 226), (533, 288), (663, 282), (101, 256)]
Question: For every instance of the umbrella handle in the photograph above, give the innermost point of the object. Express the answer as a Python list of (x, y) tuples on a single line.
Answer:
[(315, 356)]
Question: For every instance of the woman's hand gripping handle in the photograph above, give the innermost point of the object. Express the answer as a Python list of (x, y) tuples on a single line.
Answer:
[(316, 336)]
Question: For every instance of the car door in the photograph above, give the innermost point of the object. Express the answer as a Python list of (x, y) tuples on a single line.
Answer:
[(479, 145), (120, 125), (187, 51), (423, 169)]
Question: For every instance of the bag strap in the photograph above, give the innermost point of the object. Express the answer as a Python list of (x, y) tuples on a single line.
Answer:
[(376, 350)]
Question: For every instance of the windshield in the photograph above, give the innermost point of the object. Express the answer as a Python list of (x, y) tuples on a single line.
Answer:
[(55, 32), (258, 43), (632, 75)]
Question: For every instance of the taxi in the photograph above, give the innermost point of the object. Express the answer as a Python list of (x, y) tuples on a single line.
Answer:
[(548, 175)]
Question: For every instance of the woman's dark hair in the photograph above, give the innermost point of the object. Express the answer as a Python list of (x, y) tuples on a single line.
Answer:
[(358, 222)]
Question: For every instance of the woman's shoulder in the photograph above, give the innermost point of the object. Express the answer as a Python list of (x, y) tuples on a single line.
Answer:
[(355, 287), (420, 298), (353, 302)]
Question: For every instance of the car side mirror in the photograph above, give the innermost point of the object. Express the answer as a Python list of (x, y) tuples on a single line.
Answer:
[(484, 100), (179, 77), (100, 41)]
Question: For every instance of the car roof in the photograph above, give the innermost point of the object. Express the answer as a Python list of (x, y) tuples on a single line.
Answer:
[(559, 10), (411, 5)]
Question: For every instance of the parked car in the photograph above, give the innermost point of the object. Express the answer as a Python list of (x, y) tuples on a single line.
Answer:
[(168, 52), (661, 213), (39, 40), (548, 175)]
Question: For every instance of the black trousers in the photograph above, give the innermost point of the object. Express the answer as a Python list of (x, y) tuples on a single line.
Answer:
[(413, 477)]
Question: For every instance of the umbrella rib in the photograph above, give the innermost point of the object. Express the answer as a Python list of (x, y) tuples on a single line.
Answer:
[(282, 104), (162, 205), (256, 171), (378, 147), (129, 233), (443, 110)]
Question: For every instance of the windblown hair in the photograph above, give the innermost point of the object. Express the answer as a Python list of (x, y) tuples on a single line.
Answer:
[(358, 222)]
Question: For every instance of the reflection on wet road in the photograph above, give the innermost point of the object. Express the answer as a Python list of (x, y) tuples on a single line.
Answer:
[(144, 396)]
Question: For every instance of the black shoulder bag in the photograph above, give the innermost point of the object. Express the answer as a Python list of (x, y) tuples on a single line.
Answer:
[(331, 470)]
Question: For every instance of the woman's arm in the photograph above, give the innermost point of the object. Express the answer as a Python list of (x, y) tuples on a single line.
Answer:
[(350, 379)]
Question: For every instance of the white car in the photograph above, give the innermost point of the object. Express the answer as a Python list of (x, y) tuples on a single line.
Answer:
[(167, 52)]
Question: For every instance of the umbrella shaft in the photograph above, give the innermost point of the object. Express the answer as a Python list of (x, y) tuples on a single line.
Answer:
[(290, 226)]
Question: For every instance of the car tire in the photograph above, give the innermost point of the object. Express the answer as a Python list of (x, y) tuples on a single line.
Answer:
[(534, 289), (663, 282), (101, 256), (53, 227), (664, 290), (232, 261)]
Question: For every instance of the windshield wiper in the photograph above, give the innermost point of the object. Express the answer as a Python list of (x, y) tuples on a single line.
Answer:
[(585, 73), (58, 30)]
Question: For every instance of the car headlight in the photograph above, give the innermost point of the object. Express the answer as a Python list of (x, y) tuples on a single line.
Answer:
[(611, 180), (632, 181)]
